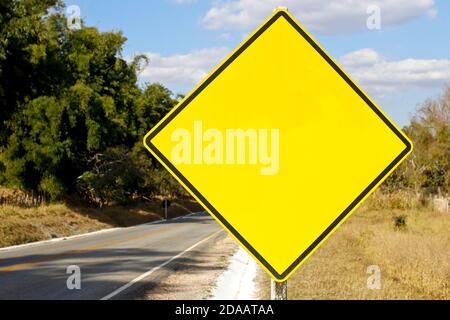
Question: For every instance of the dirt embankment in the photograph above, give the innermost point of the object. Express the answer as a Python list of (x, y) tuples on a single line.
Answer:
[(20, 225)]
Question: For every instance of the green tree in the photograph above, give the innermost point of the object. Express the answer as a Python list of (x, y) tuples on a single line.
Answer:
[(70, 107), (26, 50), (154, 103), (68, 96)]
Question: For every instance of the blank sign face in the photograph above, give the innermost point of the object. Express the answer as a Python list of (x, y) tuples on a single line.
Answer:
[(278, 144)]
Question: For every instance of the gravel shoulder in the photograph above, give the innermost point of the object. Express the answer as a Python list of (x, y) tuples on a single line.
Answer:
[(189, 281)]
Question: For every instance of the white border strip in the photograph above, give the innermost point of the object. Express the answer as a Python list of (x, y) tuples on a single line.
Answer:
[(146, 274)]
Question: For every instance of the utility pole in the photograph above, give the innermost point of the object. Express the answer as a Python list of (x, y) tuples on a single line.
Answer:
[(278, 290)]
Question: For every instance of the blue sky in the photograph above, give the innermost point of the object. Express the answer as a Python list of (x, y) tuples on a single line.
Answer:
[(399, 65)]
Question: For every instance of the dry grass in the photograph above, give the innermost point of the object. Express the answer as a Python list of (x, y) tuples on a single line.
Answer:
[(414, 260), (404, 200), (23, 225)]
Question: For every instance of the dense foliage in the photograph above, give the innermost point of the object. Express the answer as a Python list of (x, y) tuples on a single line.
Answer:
[(69, 101)]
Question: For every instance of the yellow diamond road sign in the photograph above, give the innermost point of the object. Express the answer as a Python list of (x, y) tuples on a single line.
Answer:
[(278, 144)]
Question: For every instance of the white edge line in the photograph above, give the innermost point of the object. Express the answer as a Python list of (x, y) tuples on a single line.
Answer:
[(146, 274), (44, 242)]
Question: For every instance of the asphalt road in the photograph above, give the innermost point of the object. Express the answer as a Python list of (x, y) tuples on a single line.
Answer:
[(113, 264)]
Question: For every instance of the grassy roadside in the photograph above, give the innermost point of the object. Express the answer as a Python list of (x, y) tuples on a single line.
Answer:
[(413, 257), (23, 225)]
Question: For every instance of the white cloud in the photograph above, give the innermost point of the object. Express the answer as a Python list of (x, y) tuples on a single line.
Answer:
[(376, 74), (324, 16), (379, 76), (182, 70)]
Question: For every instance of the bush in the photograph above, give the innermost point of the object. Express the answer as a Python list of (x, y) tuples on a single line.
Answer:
[(120, 176), (400, 222), (114, 177), (52, 188)]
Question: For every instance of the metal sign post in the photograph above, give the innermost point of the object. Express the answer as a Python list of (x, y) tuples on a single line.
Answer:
[(278, 290)]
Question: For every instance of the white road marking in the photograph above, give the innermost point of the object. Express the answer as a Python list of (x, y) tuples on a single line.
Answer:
[(146, 274), (44, 242)]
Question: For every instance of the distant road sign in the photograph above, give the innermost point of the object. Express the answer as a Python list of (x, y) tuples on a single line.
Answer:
[(274, 130)]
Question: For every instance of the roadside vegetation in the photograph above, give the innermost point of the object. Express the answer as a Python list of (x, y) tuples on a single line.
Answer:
[(72, 114), (72, 119)]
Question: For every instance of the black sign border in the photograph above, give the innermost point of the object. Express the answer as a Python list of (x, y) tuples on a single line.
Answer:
[(210, 207)]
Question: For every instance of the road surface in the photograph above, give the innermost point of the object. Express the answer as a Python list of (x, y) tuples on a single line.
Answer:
[(113, 264)]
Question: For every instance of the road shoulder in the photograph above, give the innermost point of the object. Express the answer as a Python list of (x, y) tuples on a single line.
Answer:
[(187, 281)]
